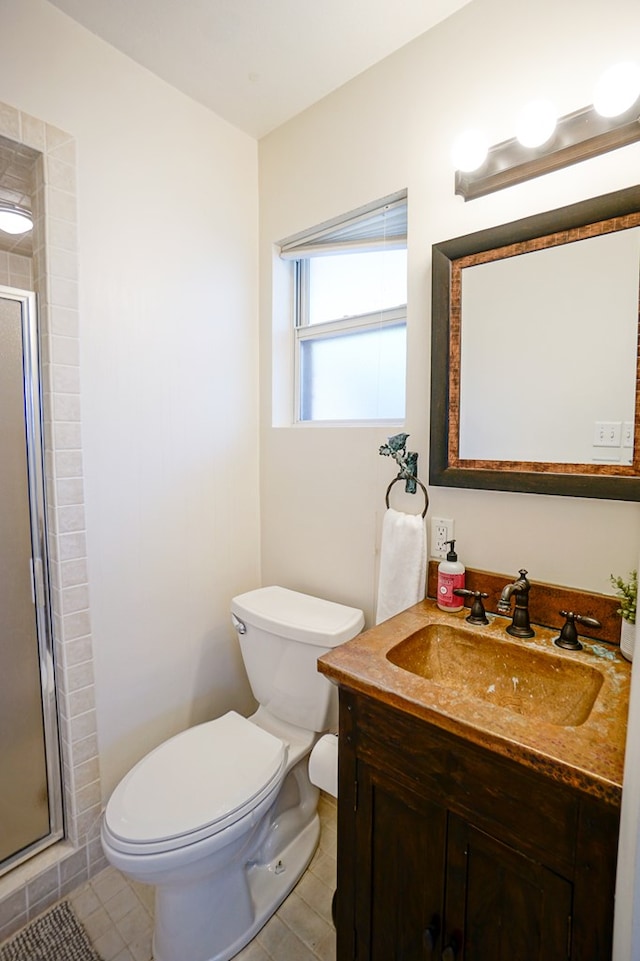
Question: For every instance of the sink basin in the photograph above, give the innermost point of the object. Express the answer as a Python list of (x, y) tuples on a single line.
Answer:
[(534, 683)]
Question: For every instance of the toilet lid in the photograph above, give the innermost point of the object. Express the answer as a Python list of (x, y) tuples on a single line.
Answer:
[(205, 777), (300, 617)]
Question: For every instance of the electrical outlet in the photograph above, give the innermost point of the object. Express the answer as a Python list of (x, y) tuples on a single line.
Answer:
[(442, 530)]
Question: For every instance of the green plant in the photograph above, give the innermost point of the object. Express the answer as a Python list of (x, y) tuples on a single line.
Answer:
[(627, 591)]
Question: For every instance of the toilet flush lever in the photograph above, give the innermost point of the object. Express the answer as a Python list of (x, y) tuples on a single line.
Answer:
[(239, 626)]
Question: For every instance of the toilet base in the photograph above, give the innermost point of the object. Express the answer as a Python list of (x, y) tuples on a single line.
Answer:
[(268, 886)]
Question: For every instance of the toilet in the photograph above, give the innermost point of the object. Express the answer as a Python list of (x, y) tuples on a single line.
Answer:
[(222, 818)]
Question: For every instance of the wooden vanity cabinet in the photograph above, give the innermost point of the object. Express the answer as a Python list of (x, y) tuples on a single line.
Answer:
[(448, 851)]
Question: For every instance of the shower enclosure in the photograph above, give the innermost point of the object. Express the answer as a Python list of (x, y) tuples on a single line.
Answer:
[(30, 793)]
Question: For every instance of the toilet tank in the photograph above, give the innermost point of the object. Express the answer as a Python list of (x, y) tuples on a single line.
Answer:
[(282, 634)]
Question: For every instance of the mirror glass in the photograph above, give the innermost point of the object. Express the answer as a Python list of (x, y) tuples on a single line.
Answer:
[(534, 353), (559, 325)]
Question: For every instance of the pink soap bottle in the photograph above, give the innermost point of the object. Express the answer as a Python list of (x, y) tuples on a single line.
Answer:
[(450, 576)]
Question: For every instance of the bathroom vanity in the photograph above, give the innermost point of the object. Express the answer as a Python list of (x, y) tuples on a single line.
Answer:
[(480, 780)]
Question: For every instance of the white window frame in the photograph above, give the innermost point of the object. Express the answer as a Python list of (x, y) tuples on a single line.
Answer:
[(299, 250)]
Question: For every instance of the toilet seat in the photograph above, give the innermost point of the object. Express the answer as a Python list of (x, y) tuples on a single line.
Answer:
[(195, 785)]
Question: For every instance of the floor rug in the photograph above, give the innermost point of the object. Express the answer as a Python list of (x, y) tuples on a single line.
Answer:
[(54, 936)]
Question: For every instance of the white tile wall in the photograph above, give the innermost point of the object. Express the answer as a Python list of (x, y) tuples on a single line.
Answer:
[(53, 273), (16, 271)]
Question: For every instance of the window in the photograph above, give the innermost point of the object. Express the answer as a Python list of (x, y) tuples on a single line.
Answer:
[(350, 280)]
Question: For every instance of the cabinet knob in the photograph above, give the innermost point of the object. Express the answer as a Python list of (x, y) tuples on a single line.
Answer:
[(431, 935), (450, 950)]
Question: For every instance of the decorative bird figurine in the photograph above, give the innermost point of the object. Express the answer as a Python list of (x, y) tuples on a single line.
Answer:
[(406, 460), (396, 443)]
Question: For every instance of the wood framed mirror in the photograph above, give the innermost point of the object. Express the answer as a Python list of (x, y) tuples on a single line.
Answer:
[(535, 361)]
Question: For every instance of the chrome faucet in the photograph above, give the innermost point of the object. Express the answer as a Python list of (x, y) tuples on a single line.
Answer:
[(520, 625)]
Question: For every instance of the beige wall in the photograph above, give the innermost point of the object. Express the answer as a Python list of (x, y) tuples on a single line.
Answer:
[(323, 489), (169, 425), (392, 127)]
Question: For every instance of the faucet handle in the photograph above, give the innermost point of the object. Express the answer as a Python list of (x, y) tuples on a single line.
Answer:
[(569, 635), (588, 621), (477, 615)]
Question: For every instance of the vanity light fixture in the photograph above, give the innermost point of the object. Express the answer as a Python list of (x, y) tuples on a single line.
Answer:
[(617, 89), (470, 150), (14, 219), (543, 145), (536, 123)]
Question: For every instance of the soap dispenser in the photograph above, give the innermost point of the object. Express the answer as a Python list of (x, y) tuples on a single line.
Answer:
[(450, 576)]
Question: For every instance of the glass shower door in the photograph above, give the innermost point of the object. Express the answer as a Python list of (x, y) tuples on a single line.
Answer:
[(30, 806)]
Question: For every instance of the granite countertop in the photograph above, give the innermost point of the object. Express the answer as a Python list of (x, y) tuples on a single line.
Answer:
[(548, 724)]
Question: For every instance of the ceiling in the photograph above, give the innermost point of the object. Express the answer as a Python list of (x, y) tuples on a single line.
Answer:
[(257, 63)]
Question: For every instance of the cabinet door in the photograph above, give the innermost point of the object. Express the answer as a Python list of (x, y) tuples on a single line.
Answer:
[(400, 844), (500, 905)]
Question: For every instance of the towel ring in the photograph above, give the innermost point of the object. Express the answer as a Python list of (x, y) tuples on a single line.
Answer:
[(420, 484)]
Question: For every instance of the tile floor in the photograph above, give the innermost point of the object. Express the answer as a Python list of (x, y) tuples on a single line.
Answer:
[(118, 914)]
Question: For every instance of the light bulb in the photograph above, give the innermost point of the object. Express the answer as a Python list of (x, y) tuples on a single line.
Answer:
[(617, 89), (536, 123), (14, 220), (470, 150)]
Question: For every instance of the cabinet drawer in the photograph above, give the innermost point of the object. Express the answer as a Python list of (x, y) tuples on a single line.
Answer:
[(509, 802)]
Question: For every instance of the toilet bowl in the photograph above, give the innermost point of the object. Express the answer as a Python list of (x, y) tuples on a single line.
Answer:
[(222, 818)]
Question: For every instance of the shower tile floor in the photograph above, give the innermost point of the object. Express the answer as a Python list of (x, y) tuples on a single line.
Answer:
[(118, 913)]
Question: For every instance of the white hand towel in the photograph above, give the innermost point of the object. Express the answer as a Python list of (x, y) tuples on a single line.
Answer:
[(403, 563)]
